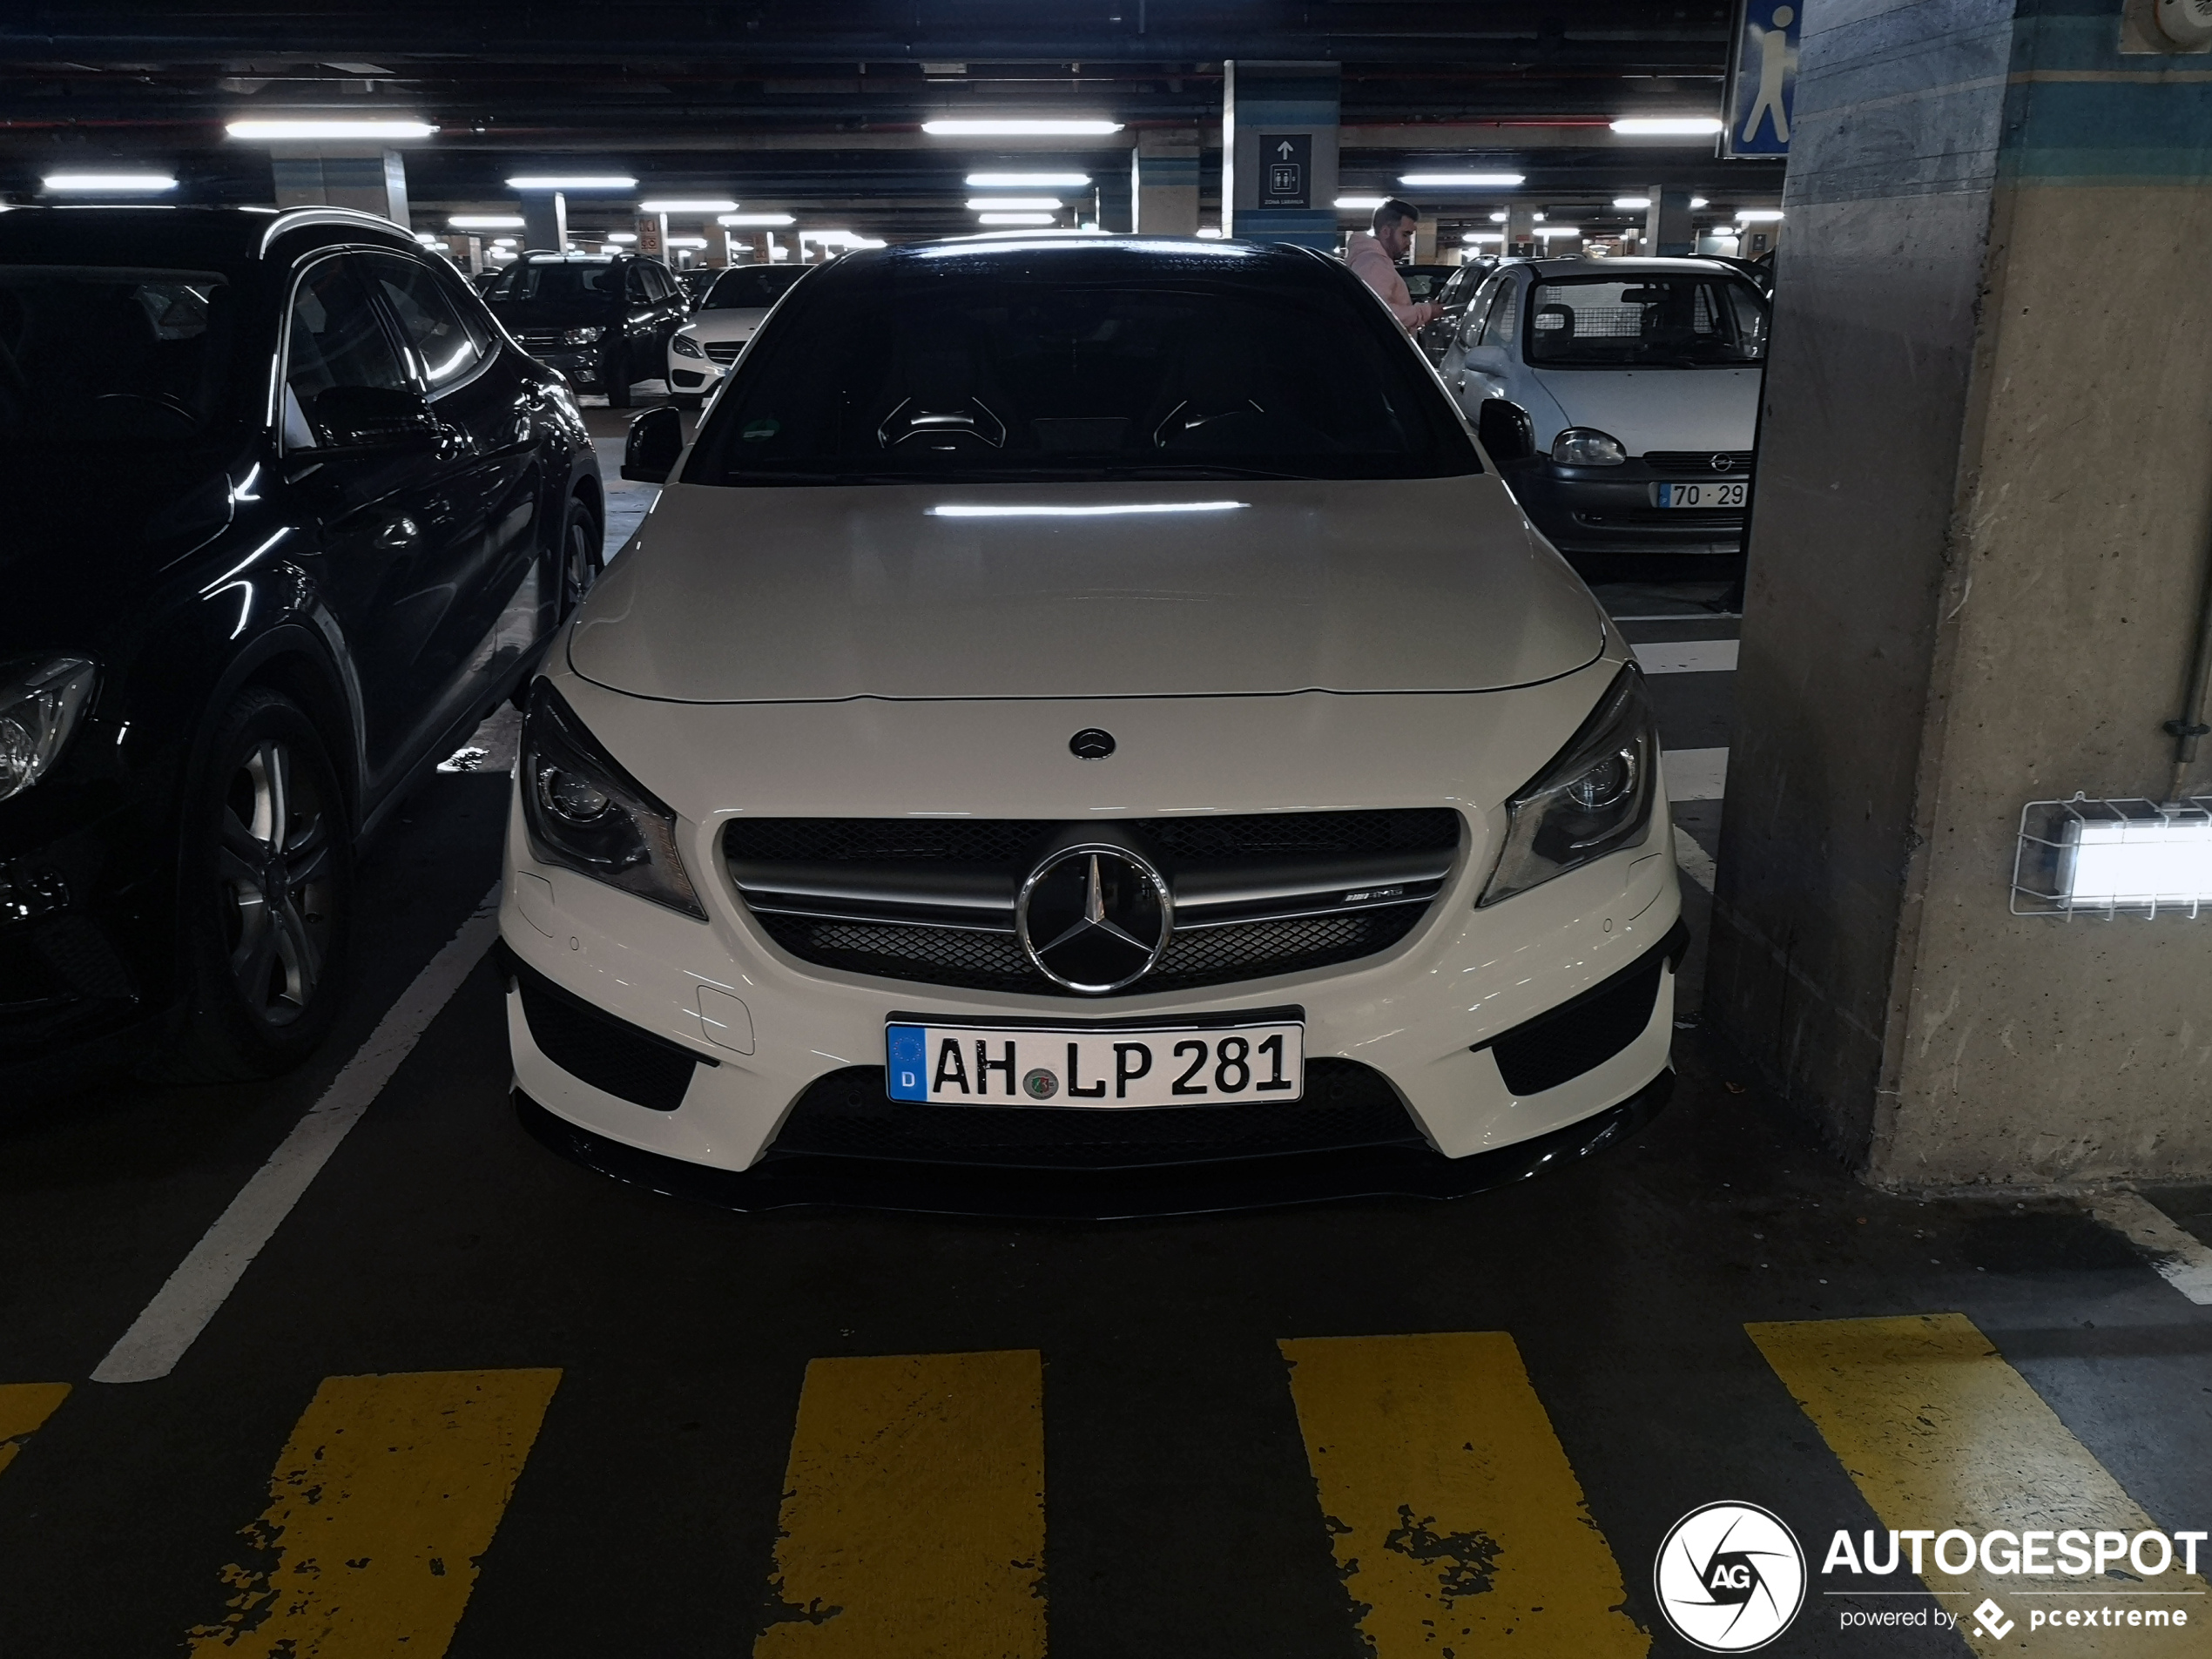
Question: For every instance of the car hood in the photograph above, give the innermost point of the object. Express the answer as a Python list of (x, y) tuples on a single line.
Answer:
[(726, 322), (1657, 409), (520, 314), (800, 594)]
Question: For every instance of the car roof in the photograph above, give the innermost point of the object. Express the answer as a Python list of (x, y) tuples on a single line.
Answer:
[(209, 237), (1651, 267), (1018, 250)]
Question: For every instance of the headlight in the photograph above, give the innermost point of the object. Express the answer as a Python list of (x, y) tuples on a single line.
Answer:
[(685, 346), (585, 814), (1594, 799), (582, 336), (40, 700), (1585, 446)]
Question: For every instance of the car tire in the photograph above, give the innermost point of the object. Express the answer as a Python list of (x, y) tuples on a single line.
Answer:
[(267, 899), (615, 374), (583, 555)]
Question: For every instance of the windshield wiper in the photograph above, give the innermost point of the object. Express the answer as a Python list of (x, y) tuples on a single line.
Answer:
[(1202, 469)]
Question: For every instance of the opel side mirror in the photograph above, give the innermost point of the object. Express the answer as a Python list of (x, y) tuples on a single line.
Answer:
[(656, 440), (1504, 426)]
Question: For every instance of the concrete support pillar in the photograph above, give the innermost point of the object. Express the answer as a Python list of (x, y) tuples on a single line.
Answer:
[(468, 252), (1163, 181), (1667, 230), (1425, 240), (1979, 558), (1521, 232), (545, 221), (369, 180), (1278, 153)]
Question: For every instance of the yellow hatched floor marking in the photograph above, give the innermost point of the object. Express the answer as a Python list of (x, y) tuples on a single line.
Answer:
[(23, 1406), (1457, 1523), (1938, 1431), (388, 1492), (913, 1517)]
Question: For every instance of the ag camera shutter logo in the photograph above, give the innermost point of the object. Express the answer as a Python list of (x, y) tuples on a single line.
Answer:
[(1729, 1577)]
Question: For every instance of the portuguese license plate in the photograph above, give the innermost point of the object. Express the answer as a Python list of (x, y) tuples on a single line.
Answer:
[(986, 1065), (1708, 493)]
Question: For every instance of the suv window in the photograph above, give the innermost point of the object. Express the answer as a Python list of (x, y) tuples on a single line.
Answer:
[(337, 339), (554, 276), (444, 352), (634, 289), (101, 354)]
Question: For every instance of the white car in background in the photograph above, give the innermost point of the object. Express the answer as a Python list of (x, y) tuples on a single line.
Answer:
[(1634, 387), (1082, 728), (700, 353)]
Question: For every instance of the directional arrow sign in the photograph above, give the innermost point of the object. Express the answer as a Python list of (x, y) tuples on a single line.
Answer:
[(1286, 170)]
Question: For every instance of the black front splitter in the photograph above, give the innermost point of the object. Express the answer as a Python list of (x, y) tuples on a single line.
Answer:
[(783, 1180)]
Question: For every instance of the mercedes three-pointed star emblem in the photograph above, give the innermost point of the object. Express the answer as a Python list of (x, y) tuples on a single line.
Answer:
[(1094, 917)]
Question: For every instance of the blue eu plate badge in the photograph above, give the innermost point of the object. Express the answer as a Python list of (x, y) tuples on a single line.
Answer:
[(908, 1062)]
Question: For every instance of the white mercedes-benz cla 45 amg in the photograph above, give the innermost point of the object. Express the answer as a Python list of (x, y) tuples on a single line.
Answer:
[(1082, 729)]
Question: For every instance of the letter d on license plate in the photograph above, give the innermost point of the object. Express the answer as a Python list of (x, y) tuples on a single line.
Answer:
[(1214, 1065)]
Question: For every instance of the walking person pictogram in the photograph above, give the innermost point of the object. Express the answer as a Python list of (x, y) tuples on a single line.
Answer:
[(1774, 56)]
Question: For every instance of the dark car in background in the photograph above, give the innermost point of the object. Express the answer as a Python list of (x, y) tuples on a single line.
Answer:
[(290, 513), (1435, 336), (603, 320)]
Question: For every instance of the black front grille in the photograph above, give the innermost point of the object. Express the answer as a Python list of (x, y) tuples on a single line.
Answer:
[(1558, 1047), (1669, 518), (1700, 462), (609, 1053), (846, 1114), (725, 351)]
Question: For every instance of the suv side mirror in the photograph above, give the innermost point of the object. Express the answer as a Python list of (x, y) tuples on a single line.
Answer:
[(363, 418), (1504, 426), (648, 454)]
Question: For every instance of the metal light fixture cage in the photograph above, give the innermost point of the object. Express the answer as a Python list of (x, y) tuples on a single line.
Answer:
[(2114, 858)]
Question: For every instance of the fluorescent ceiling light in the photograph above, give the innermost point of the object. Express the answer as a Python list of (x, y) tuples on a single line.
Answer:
[(1758, 215), (1667, 126), (1105, 509), (1482, 236), (619, 236), (688, 205), (1497, 218), (763, 220), (983, 204), (1699, 202), (1212, 232), (1015, 218), (502, 241), (329, 129), (1355, 204), (1559, 230), (687, 241), (1019, 128), (572, 181), (1632, 201), (485, 221), (1456, 180), (134, 184), (1027, 180)]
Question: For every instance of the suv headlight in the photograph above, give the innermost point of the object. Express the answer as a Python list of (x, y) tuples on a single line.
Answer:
[(582, 336), (1585, 446), (1594, 799), (41, 699), (685, 346), (583, 812)]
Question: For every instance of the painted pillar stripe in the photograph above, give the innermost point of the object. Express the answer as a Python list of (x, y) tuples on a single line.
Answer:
[(1457, 1522), (913, 1517), (384, 1499), (1938, 1431), (23, 1407)]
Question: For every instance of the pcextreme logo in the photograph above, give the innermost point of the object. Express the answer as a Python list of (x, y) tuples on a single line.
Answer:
[(1729, 1577)]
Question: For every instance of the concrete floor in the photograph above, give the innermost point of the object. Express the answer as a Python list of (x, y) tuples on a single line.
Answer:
[(671, 1439)]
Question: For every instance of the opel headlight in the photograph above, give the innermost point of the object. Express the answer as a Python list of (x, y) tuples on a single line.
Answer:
[(583, 812), (685, 346), (583, 336), (1594, 799), (1585, 446), (41, 700)]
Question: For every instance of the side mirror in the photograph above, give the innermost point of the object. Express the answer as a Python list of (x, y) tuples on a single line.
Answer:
[(1504, 426), (655, 442), (361, 418)]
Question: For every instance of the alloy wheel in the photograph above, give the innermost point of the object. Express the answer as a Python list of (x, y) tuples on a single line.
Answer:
[(277, 871)]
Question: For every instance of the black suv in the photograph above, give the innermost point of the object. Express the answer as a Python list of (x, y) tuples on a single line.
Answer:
[(289, 514), (603, 320)]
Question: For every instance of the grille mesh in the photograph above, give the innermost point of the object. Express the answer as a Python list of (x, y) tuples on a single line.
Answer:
[(1699, 462), (607, 1053), (1550, 1051)]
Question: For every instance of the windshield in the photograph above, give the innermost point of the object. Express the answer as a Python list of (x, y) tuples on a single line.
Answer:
[(552, 279), (749, 287), (1665, 320), (1005, 371), (105, 354)]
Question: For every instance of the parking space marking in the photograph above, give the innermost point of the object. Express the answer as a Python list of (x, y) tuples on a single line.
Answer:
[(1693, 859), (913, 1517), (1696, 774), (23, 1408), (1687, 656), (1457, 1522), (1937, 1431), (383, 1501), (2180, 1258), (180, 1310)]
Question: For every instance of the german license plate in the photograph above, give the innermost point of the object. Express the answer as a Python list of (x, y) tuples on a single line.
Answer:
[(985, 1065), (1707, 493)]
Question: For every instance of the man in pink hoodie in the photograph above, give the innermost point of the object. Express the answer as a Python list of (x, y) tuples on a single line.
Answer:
[(1375, 260)]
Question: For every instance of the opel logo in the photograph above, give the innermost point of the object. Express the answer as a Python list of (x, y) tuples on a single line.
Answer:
[(1094, 919), (1724, 463)]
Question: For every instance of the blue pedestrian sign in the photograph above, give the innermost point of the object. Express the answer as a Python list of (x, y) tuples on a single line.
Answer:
[(1762, 78)]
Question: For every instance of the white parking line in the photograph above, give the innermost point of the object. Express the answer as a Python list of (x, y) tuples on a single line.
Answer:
[(2180, 1258), (1687, 657), (1696, 774), (203, 1280), (1694, 862)]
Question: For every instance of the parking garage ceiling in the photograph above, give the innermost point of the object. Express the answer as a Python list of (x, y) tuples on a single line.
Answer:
[(818, 109)]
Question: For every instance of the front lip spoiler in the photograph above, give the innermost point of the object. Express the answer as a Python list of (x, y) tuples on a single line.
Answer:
[(785, 1180)]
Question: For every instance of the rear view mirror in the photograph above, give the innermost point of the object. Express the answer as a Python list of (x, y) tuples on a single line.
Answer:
[(371, 417), (1506, 430), (655, 442)]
